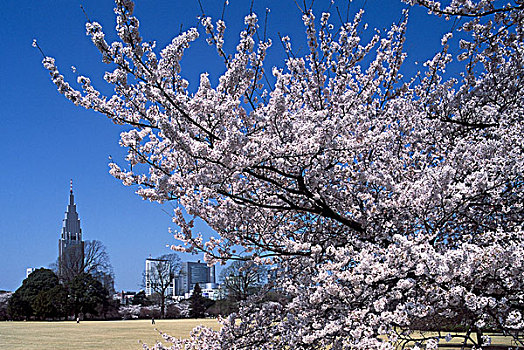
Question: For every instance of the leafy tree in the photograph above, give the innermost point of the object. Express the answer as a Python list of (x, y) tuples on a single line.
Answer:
[(141, 298), (21, 304), (160, 276), (19, 308), (87, 295), (383, 196), (51, 303), (242, 279)]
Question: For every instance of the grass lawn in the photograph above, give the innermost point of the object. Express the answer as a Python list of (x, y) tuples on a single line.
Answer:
[(498, 341), (123, 335), (118, 335)]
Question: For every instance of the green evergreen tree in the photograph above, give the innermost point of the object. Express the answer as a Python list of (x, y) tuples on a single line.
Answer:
[(51, 303), (18, 308), (87, 295), (198, 303), (21, 305)]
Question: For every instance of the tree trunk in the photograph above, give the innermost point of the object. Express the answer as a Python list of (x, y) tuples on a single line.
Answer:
[(163, 306), (479, 337)]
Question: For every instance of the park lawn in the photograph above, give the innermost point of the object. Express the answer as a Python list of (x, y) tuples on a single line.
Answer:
[(120, 335), (117, 335), (497, 340)]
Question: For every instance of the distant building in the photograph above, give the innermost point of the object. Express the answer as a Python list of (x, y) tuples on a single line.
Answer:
[(29, 270), (70, 244), (213, 291), (193, 273), (157, 272), (125, 298)]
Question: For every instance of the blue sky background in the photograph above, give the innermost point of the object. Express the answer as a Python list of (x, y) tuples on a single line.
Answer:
[(47, 140)]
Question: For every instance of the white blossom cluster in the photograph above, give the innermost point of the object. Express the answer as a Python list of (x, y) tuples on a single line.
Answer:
[(384, 202)]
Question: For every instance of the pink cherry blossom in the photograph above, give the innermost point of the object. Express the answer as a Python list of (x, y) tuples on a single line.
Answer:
[(383, 202)]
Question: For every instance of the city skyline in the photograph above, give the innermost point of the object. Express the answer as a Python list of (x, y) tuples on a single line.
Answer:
[(75, 215)]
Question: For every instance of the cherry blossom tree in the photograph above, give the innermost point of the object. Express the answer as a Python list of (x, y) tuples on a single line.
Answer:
[(386, 201)]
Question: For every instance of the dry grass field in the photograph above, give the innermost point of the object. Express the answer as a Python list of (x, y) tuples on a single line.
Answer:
[(498, 341), (124, 335), (118, 335)]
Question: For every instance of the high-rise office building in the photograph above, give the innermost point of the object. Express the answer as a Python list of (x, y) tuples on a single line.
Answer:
[(70, 244), (191, 274)]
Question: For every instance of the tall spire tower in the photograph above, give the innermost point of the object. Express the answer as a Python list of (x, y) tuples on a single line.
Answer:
[(70, 244)]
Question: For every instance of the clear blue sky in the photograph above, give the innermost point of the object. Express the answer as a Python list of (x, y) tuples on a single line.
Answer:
[(47, 140)]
